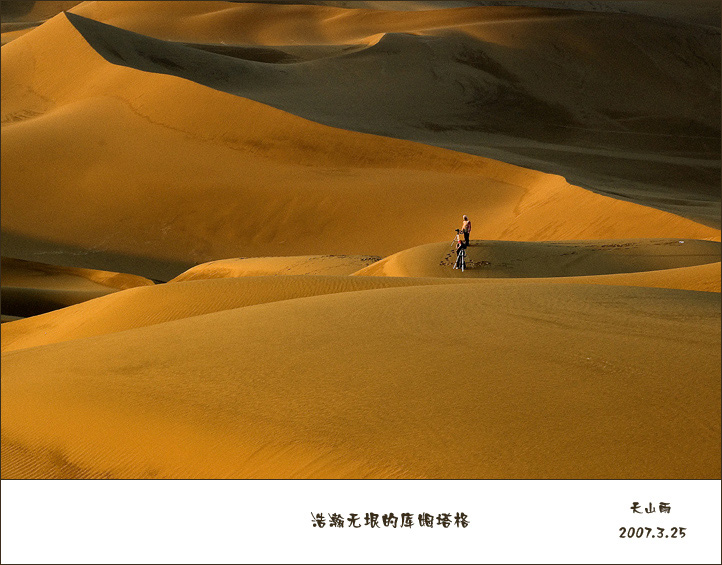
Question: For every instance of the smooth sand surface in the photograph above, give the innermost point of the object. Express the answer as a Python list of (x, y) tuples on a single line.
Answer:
[(260, 266), (33, 12), (383, 383), (511, 259), (31, 288), (20, 16), (236, 283), (145, 306)]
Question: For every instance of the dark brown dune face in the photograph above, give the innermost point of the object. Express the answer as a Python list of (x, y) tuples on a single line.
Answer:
[(595, 96)]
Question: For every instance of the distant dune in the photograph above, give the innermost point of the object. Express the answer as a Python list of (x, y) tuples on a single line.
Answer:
[(30, 288), (259, 266), (601, 93), (20, 16), (313, 189)]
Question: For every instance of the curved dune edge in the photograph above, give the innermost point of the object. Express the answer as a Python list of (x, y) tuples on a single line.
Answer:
[(17, 22), (531, 259), (249, 23), (31, 288), (376, 367), (8, 36), (315, 189), (31, 274), (703, 278), (217, 288), (147, 306), (264, 266), (213, 22), (613, 132)]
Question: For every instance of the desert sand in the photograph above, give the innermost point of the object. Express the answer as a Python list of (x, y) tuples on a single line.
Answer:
[(227, 240), (30, 288), (295, 265)]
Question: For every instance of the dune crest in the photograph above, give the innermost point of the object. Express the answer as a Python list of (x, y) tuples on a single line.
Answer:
[(31, 288), (147, 306), (313, 189), (512, 259), (615, 101), (260, 266)]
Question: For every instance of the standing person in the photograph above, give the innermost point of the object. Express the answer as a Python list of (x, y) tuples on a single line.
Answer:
[(460, 252), (466, 229)]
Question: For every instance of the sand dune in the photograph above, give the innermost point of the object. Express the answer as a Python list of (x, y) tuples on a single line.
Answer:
[(33, 12), (147, 306), (614, 101), (30, 288), (313, 189), (8, 36), (260, 266), (19, 16), (16, 272), (256, 156), (705, 278), (506, 259), (383, 384), (704, 12), (237, 283)]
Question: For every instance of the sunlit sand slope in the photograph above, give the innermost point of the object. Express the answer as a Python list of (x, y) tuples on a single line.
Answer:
[(688, 265), (705, 278), (512, 259), (24, 11), (159, 167), (18, 16), (30, 288), (517, 381), (260, 266), (147, 306), (618, 102)]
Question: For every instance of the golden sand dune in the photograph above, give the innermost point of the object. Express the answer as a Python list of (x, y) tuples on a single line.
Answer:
[(342, 22), (30, 288), (513, 259), (705, 278), (260, 266), (146, 306), (16, 272), (8, 36), (689, 265), (19, 17), (155, 166), (263, 24), (616, 102), (517, 381), (166, 137), (33, 12)]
